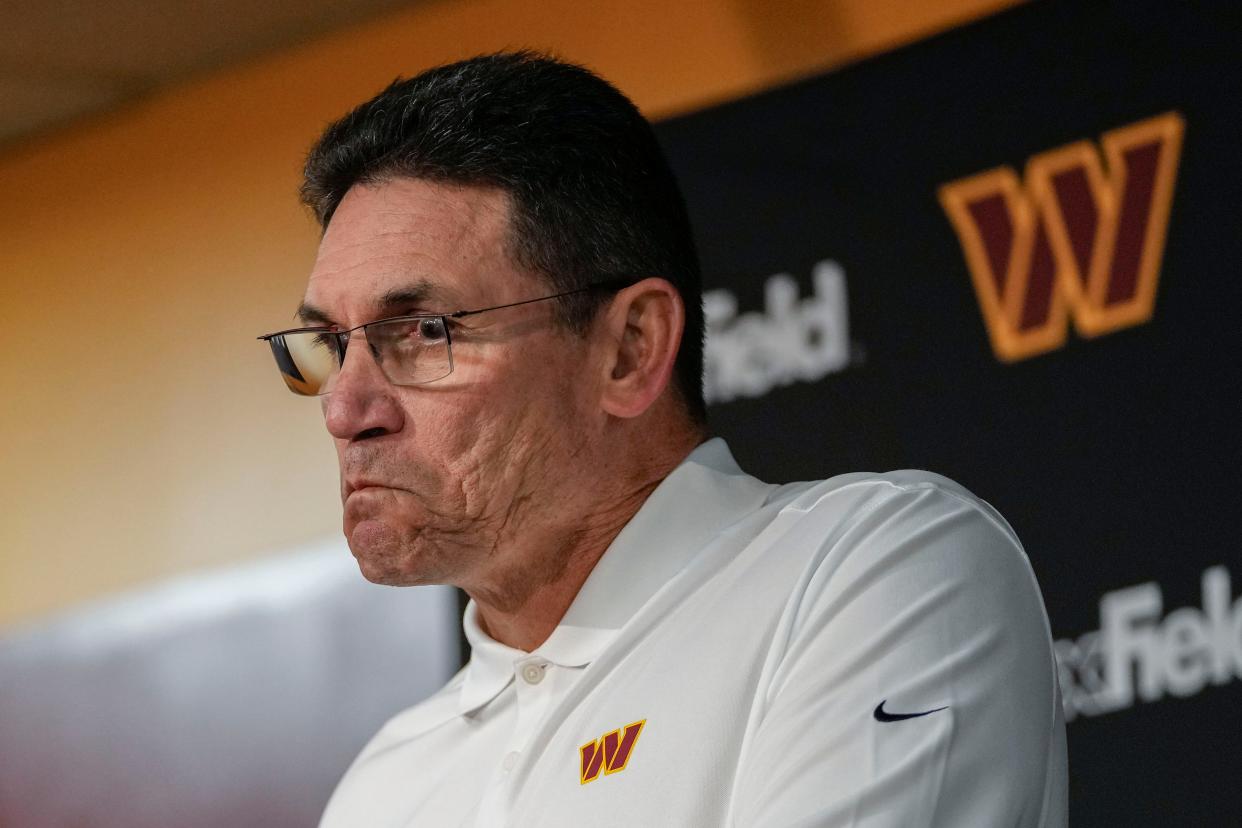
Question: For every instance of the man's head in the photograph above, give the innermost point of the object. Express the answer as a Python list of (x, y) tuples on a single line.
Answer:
[(591, 193), (484, 183)]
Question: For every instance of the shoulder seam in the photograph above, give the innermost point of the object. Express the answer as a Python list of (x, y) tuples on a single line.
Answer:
[(969, 500)]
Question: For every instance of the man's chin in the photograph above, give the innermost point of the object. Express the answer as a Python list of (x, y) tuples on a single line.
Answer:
[(386, 576), (382, 557)]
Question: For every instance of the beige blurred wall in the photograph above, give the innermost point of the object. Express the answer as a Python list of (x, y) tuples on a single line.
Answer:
[(143, 431)]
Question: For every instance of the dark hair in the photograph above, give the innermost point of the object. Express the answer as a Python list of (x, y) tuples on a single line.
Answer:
[(592, 195)]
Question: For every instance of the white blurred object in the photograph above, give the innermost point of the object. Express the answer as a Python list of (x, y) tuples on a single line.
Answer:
[(228, 698)]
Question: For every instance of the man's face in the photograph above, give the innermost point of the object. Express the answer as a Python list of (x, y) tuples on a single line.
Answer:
[(444, 481)]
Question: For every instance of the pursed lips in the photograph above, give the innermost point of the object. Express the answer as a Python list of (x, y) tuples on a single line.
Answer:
[(363, 485)]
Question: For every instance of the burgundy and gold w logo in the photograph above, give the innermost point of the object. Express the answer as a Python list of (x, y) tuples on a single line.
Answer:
[(610, 752), (1080, 236)]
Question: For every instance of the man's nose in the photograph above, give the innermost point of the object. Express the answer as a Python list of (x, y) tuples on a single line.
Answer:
[(361, 403)]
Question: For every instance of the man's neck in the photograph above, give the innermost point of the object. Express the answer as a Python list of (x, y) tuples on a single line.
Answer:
[(522, 603)]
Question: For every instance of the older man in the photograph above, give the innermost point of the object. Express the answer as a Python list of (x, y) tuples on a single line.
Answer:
[(504, 327)]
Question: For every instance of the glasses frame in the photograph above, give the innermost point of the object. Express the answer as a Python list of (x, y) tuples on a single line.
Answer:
[(341, 338)]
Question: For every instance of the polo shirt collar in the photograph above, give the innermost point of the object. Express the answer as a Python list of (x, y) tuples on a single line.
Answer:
[(695, 503)]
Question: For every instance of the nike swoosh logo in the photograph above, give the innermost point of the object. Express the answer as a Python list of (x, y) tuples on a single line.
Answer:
[(882, 715)]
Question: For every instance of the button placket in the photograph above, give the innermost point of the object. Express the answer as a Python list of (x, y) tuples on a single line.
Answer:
[(533, 688)]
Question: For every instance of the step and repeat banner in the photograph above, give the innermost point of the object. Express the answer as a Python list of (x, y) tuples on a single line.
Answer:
[(1010, 254)]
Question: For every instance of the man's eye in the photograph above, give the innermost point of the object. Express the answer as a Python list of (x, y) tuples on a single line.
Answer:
[(431, 329)]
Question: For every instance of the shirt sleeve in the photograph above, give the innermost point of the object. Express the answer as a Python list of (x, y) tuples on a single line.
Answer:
[(912, 682)]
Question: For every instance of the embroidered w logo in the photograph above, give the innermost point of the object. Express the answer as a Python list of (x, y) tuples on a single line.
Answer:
[(1079, 236), (610, 752)]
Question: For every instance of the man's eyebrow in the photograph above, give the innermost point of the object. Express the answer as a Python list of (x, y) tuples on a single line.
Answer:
[(403, 298), (409, 296), (311, 315)]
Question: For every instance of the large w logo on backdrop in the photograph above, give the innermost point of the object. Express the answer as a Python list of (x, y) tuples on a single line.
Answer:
[(1078, 237)]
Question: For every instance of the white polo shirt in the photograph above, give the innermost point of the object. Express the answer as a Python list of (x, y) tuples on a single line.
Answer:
[(869, 650)]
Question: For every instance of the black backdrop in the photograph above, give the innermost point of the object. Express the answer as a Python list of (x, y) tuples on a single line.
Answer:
[(1111, 456)]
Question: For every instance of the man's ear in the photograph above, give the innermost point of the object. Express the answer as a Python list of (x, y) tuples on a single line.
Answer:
[(643, 328)]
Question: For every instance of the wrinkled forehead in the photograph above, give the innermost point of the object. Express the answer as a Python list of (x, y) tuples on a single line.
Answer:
[(407, 246)]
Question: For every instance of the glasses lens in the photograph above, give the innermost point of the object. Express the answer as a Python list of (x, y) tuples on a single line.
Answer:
[(307, 361), (409, 351), (412, 351)]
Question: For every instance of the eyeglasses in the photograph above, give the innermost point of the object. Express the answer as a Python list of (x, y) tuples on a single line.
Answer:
[(410, 350)]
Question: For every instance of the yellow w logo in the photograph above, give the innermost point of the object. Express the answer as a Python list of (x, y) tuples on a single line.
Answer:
[(610, 752), (1079, 236)]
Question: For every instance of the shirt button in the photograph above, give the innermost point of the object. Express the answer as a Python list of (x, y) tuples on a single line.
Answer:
[(533, 673), (510, 760)]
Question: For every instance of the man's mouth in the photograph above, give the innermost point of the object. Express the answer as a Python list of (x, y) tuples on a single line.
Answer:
[(362, 485)]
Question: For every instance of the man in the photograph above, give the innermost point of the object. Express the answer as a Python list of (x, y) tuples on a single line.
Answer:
[(504, 328)]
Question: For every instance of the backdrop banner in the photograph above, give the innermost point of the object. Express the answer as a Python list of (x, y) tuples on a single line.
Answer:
[(1009, 254)]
